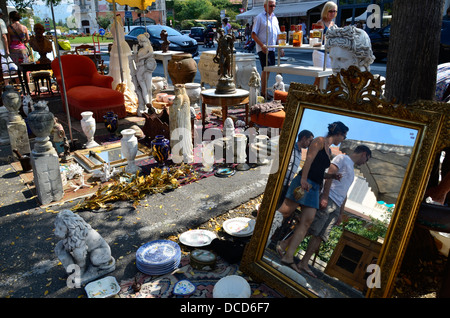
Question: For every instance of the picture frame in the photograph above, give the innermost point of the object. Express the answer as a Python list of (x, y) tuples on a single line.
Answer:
[(94, 158), (357, 95)]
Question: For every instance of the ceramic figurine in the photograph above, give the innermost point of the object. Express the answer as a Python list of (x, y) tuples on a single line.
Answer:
[(279, 84), (81, 248), (58, 136), (180, 127), (254, 84), (89, 126), (165, 43)]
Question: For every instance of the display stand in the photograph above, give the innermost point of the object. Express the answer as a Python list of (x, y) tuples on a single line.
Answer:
[(321, 72), (164, 57)]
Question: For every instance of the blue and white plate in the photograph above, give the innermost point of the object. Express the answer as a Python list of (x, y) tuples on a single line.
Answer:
[(159, 252), (184, 288), (158, 257)]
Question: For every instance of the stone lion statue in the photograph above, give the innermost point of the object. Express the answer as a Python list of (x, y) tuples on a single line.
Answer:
[(82, 246)]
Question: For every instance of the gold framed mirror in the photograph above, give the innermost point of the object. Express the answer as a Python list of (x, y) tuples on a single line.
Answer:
[(96, 157), (418, 131)]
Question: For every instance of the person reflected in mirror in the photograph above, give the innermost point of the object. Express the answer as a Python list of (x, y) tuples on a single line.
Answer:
[(327, 16), (304, 189), (332, 201), (349, 46), (266, 23), (304, 139)]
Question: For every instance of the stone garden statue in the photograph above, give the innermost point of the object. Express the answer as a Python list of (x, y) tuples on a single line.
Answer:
[(142, 74), (81, 248), (349, 46)]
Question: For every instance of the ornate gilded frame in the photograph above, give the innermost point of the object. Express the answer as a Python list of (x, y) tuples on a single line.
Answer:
[(82, 156), (357, 94)]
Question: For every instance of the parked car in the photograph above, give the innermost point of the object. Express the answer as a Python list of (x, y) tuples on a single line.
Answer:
[(198, 33), (185, 32), (380, 42), (178, 41)]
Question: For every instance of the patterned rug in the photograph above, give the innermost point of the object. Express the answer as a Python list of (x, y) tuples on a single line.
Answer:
[(204, 281)]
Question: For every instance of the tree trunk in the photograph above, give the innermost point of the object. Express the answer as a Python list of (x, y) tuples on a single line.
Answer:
[(413, 50)]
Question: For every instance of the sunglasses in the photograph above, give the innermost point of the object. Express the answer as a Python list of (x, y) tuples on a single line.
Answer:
[(272, 6), (332, 11)]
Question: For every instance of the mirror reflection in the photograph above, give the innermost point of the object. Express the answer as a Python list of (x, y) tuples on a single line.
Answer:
[(338, 197), (107, 156), (96, 157)]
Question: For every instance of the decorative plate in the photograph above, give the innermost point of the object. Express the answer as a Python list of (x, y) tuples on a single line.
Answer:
[(184, 288), (239, 226), (224, 172), (159, 252), (197, 238), (102, 288)]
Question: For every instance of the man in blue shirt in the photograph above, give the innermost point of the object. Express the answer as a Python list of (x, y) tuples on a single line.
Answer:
[(265, 32)]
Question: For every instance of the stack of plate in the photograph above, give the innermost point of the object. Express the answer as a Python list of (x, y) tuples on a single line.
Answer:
[(158, 257)]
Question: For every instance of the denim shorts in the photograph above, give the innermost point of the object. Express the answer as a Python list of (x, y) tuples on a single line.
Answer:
[(311, 197)]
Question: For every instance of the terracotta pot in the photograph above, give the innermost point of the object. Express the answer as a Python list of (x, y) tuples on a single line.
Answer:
[(182, 68)]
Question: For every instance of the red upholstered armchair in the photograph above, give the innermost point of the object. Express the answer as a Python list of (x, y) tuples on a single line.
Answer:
[(86, 89)]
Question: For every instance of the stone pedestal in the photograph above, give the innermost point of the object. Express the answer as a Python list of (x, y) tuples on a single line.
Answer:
[(17, 129), (44, 158), (4, 136), (243, 66), (18, 136), (47, 176)]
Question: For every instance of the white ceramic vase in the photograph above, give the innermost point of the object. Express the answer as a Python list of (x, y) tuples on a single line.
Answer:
[(88, 125), (193, 90), (129, 147)]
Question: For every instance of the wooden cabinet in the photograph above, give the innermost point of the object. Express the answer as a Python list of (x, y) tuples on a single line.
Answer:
[(350, 259)]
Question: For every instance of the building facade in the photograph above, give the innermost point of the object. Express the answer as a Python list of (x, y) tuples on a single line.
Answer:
[(296, 11), (86, 12)]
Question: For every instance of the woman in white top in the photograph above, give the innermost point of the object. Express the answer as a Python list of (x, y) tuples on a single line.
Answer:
[(328, 15)]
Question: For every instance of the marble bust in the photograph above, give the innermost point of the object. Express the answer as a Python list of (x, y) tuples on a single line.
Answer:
[(40, 43), (349, 46)]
